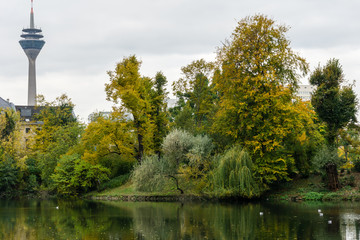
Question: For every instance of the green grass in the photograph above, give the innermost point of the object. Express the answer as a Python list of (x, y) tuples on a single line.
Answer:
[(128, 189)]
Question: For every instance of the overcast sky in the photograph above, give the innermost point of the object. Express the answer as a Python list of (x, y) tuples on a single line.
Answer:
[(86, 38)]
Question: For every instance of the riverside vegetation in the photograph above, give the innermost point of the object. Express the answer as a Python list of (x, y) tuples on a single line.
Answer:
[(237, 130)]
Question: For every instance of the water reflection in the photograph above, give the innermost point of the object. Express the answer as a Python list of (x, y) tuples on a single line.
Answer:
[(123, 220), (350, 225)]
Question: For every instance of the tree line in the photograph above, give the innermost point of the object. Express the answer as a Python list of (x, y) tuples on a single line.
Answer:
[(237, 128)]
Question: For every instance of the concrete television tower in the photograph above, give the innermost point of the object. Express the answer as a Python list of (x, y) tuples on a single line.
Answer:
[(32, 45)]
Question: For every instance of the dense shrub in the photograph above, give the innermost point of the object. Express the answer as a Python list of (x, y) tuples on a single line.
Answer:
[(118, 165), (73, 175), (190, 153), (177, 145), (313, 196), (151, 174), (347, 181), (357, 164), (31, 176), (183, 154), (115, 182), (325, 156), (198, 158), (8, 176), (332, 196), (327, 161)]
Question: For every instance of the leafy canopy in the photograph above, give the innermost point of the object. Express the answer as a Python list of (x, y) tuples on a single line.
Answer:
[(258, 77), (336, 105)]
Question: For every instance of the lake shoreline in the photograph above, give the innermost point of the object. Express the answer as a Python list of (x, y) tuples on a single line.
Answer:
[(170, 198), (299, 189)]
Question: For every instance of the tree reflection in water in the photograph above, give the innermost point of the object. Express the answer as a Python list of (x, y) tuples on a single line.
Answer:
[(126, 220)]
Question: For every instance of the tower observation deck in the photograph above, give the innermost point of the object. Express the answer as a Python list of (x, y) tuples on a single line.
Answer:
[(32, 44)]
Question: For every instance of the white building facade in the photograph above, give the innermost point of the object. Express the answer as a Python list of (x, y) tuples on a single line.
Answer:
[(305, 91)]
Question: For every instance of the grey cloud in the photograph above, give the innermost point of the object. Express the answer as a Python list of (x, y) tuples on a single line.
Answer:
[(87, 37)]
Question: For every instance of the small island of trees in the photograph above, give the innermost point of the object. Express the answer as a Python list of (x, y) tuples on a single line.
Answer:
[(237, 130)]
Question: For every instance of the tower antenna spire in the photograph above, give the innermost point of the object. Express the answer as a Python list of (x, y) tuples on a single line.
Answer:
[(32, 25)]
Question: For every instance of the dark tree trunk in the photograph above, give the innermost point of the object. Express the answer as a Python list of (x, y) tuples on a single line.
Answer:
[(141, 147), (177, 184), (332, 176), (140, 141)]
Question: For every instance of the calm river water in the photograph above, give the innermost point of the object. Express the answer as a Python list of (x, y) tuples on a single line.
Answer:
[(127, 220)]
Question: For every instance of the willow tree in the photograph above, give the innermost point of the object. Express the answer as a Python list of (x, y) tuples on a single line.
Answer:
[(258, 77), (133, 92), (233, 175)]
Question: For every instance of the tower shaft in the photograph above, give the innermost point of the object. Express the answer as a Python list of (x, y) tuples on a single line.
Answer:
[(32, 83)]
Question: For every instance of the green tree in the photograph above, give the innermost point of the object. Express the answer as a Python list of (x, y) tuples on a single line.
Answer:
[(256, 83), (303, 142), (73, 175), (196, 90), (59, 132), (8, 120), (109, 142), (189, 155), (56, 113), (349, 143), (327, 161), (159, 114), (9, 176), (62, 140), (133, 92), (335, 105), (183, 117), (184, 157), (9, 134)]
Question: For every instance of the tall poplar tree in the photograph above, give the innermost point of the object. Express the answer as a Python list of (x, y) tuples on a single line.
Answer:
[(258, 77), (159, 109), (133, 92)]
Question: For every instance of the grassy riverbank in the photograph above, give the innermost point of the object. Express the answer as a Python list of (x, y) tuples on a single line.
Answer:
[(300, 189), (127, 192), (313, 188)]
